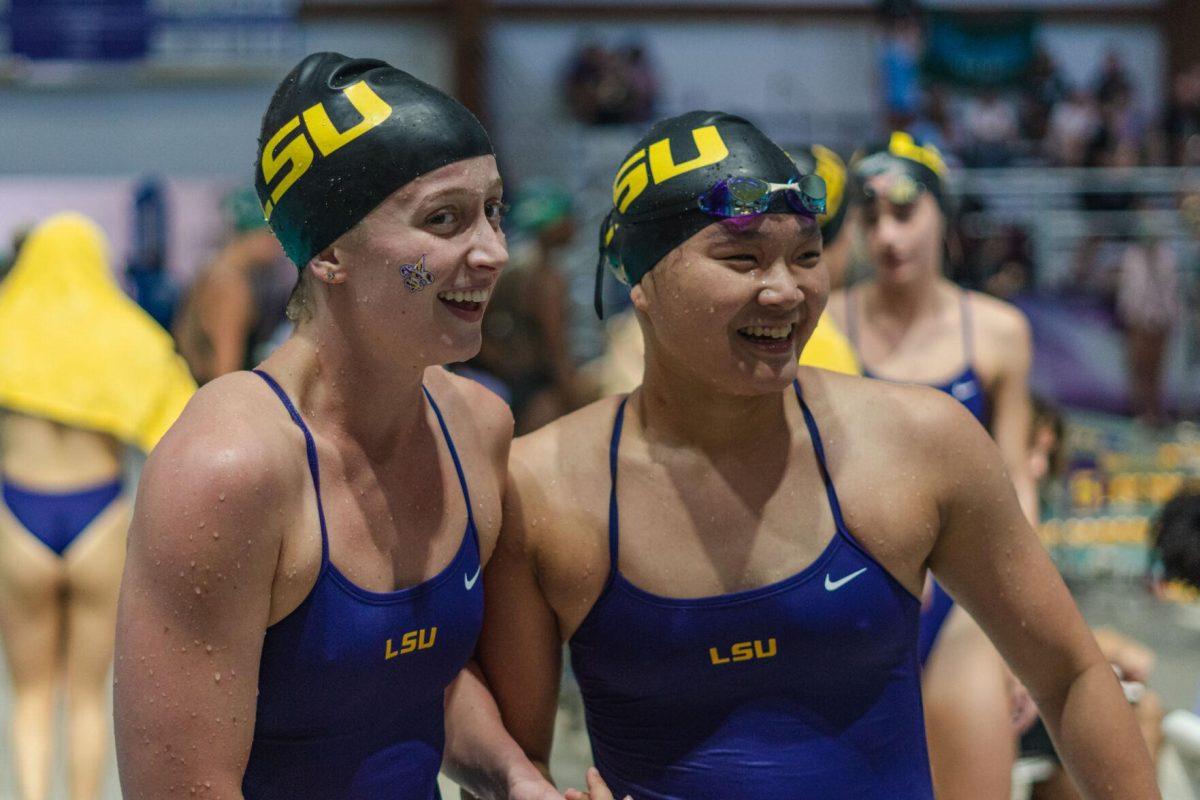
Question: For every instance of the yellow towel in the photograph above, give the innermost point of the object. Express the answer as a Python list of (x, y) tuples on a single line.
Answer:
[(829, 349), (75, 349)]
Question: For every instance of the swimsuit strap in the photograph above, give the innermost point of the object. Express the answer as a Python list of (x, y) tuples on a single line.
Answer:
[(310, 448), (613, 512)]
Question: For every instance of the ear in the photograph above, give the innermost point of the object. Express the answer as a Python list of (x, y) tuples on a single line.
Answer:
[(638, 295), (326, 267)]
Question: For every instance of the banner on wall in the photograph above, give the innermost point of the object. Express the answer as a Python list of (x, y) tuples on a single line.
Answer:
[(979, 51), (174, 33), (1080, 361), (90, 30)]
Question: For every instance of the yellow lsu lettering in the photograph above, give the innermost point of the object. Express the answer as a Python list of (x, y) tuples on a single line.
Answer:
[(296, 154), (744, 651), (902, 144), (633, 177), (421, 639)]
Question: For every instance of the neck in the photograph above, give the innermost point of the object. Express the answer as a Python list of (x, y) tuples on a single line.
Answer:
[(906, 302), (345, 393), (678, 409)]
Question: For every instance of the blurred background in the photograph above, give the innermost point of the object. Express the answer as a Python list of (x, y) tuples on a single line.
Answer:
[(1074, 128)]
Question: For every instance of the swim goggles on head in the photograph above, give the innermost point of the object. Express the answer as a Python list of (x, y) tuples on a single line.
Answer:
[(745, 197), (901, 190)]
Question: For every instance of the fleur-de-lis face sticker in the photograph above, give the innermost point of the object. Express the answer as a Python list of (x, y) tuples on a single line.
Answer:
[(416, 277)]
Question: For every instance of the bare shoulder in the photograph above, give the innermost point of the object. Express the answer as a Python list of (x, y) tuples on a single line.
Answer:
[(864, 415), (227, 465), (560, 471), (999, 320), (472, 402), (570, 446)]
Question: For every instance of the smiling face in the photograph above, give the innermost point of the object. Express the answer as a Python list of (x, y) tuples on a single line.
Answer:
[(733, 305), (904, 239), (417, 272)]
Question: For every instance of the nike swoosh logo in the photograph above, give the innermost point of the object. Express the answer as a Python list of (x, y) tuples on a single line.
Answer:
[(833, 586), (470, 582), (962, 391)]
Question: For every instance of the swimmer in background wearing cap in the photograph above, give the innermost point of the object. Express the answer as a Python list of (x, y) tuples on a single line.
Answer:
[(734, 553), (910, 323), (303, 591)]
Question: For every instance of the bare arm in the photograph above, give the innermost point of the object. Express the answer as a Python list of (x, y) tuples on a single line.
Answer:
[(989, 558), (194, 604), (225, 317), (519, 650), (1012, 414)]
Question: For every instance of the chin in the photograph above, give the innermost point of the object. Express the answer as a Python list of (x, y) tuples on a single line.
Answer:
[(761, 379)]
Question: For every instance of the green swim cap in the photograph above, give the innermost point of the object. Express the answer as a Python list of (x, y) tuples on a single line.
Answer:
[(539, 204), (657, 187), (242, 210), (340, 135)]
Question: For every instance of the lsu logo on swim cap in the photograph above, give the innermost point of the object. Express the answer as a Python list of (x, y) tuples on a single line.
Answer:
[(296, 154), (902, 145), (633, 177)]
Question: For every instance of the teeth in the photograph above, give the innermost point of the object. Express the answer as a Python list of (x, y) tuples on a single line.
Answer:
[(473, 296), (772, 332)]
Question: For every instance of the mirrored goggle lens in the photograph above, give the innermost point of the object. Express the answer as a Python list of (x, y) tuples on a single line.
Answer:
[(899, 189), (739, 197)]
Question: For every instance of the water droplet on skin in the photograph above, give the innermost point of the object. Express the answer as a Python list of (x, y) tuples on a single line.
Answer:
[(208, 649), (216, 535), (201, 525), (217, 679), (221, 497), (197, 589)]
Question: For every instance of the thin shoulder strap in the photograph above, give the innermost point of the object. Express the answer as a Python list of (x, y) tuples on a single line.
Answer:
[(967, 332), (462, 478), (310, 448), (613, 512), (815, 435)]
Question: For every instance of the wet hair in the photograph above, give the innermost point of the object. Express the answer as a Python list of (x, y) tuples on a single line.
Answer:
[(1175, 538), (299, 304)]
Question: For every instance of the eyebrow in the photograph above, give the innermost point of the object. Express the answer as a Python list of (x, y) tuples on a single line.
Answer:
[(495, 186)]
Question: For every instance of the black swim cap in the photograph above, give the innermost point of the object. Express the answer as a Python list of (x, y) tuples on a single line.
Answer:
[(902, 154), (829, 165), (340, 135), (655, 191)]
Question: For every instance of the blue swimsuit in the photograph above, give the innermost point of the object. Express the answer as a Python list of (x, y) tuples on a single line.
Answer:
[(351, 683), (966, 388), (58, 518), (805, 688)]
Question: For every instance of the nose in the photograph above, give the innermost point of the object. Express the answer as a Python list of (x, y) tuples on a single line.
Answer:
[(489, 249), (780, 287), (885, 229)]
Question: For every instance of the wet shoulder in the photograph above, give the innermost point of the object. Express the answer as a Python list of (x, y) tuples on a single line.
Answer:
[(214, 486), (562, 467), (473, 408), (233, 438), (895, 420)]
